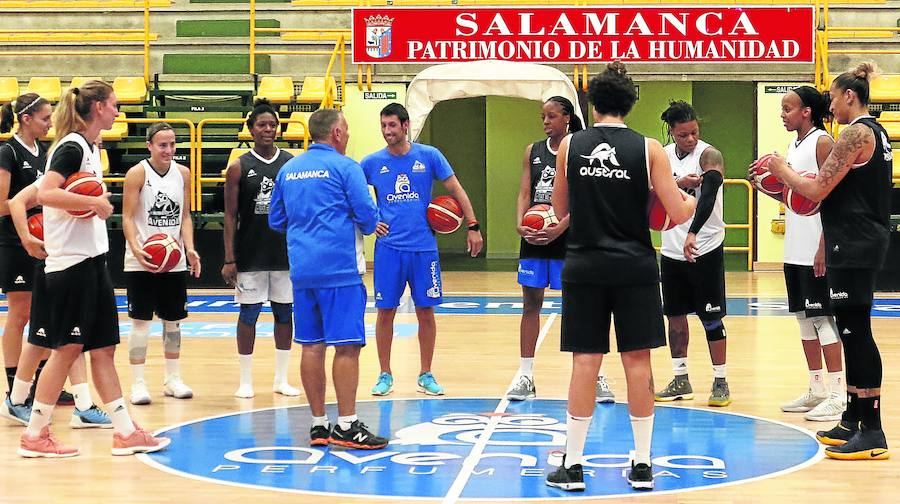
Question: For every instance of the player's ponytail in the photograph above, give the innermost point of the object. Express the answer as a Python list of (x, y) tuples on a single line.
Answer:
[(74, 109)]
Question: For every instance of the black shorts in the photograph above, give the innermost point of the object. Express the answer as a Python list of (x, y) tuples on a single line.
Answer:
[(697, 287), (16, 269), (850, 287), (38, 319), (586, 313), (80, 307), (806, 292), (164, 294)]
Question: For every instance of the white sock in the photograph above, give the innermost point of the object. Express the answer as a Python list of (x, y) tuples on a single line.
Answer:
[(836, 382), (345, 421), (282, 358), (576, 435), (137, 372), (526, 366), (642, 430), (82, 393), (817, 383), (40, 418), (719, 370), (246, 362), (19, 392), (173, 367), (121, 420), (320, 421), (679, 366)]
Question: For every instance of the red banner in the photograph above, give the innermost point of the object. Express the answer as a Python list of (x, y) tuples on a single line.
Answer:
[(585, 34)]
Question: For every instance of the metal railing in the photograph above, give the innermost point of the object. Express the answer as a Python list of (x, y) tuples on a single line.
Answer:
[(749, 226)]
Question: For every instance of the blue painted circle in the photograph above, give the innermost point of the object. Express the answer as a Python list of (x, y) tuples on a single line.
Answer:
[(430, 438)]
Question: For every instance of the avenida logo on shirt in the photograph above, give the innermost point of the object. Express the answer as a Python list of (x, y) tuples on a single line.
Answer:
[(402, 190), (264, 196)]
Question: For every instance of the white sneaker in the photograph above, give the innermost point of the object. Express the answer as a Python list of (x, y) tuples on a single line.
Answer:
[(176, 388), (285, 389), (245, 391), (828, 410), (603, 392), (139, 393), (804, 403)]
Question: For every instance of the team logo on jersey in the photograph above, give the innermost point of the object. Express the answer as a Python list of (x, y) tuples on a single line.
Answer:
[(605, 155), (811, 306), (543, 190), (536, 160), (838, 295), (378, 36), (712, 309), (886, 145), (19, 280), (264, 196), (384, 169), (435, 291), (165, 212), (402, 190), (251, 173), (76, 331), (418, 167), (41, 333)]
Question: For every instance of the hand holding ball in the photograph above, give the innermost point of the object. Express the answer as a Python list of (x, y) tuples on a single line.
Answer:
[(540, 217), (164, 251), (656, 214), (798, 203), (86, 184)]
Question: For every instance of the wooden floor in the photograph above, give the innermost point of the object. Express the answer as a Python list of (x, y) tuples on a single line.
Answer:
[(765, 369)]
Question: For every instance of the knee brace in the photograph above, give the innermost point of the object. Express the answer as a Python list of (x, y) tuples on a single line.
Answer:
[(715, 329), (137, 341), (807, 327), (171, 337), (826, 330), (249, 313), (282, 312)]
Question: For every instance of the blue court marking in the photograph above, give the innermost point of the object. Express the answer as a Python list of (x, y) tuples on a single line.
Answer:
[(693, 449)]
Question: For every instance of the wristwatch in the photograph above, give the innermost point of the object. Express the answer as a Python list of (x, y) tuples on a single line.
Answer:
[(474, 227)]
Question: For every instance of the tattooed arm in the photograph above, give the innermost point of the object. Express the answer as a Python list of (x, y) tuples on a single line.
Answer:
[(856, 144)]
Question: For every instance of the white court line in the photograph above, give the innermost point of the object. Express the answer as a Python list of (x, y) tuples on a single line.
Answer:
[(471, 461)]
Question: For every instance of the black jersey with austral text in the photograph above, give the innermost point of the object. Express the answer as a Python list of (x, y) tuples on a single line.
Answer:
[(543, 171), (256, 246), (609, 234), (856, 214), (24, 168)]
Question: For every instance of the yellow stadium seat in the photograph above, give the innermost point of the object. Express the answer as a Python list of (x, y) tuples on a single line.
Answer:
[(278, 90), (130, 90), (6, 136), (294, 152), (9, 89), (79, 81), (49, 88), (896, 169), (295, 131), (891, 122), (118, 131), (104, 161), (885, 88), (314, 89)]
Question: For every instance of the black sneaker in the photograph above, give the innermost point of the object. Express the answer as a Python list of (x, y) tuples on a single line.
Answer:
[(840, 434), (570, 480), (318, 435), (866, 444), (65, 399), (357, 436), (641, 476)]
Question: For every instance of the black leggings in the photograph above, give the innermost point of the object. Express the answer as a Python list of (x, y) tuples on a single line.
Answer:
[(861, 353)]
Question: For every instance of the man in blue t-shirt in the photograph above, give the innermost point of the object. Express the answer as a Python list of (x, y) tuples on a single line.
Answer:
[(406, 248)]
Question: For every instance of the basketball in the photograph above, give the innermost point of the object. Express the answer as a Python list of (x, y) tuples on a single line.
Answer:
[(540, 217), (765, 181), (36, 225), (87, 184), (165, 253), (798, 203), (656, 214), (444, 214)]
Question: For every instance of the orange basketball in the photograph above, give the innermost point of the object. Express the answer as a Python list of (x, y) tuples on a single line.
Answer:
[(165, 253), (765, 181), (656, 214), (798, 203), (36, 225), (87, 184), (540, 217), (444, 214)]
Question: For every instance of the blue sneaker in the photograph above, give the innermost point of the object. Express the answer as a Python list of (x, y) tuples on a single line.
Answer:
[(384, 386), (428, 385), (20, 413), (90, 418)]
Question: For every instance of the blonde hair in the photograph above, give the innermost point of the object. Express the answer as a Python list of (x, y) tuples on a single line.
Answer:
[(74, 110)]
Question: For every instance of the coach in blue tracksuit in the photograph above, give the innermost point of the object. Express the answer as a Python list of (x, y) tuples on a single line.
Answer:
[(322, 202)]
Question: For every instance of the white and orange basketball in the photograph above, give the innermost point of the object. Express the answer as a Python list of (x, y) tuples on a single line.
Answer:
[(36, 225), (87, 184), (444, 214), (765, 181), (165, 253), (798, 203), (656, 214), (540, 217)]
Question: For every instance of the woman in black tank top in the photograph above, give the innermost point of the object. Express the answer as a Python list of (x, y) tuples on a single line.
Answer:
[(854, 186)]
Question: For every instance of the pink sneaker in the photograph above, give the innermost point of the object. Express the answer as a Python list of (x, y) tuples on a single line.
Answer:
[(44, 445), (140, 441)]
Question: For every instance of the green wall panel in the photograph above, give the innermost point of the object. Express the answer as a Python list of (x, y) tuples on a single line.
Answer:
[(223, 27), (214, 63), (654, 97)]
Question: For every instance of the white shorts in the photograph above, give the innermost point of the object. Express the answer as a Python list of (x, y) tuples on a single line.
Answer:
[(260, 286)]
